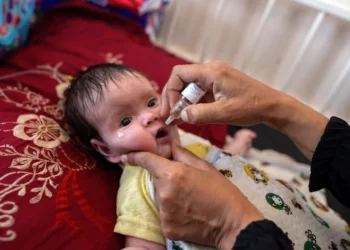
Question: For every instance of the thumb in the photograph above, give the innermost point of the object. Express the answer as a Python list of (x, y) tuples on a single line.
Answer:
[(204, 113), (151, 162)]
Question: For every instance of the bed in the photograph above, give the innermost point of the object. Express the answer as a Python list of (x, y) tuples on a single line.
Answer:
[(53, 195)]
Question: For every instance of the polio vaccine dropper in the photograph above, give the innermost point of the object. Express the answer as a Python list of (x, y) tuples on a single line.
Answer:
[(190, 95)]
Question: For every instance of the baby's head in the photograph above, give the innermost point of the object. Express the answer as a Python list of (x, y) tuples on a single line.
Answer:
[(116, 110)]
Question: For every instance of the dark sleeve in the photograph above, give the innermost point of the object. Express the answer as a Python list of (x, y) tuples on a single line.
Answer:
[(330, 166), (262, 234)]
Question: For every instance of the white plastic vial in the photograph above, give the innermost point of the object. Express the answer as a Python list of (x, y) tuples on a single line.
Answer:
[(190, 95)]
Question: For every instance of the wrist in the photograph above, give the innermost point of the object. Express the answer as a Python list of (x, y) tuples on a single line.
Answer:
[(298, 121), (280, 113), (232, 227)]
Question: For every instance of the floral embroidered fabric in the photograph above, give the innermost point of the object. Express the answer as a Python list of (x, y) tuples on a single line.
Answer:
[(53, 193)]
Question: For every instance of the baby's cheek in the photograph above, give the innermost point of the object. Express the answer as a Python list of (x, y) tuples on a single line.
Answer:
[(145, 143), (136, 140)]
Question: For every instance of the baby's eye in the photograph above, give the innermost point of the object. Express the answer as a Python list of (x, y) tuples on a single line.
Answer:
[(125, 121), (151, 103)]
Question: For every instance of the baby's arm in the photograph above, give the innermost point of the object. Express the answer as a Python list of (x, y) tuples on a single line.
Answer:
[(132, 243)]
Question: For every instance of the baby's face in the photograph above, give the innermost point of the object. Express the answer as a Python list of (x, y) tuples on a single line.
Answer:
[(127, 119)]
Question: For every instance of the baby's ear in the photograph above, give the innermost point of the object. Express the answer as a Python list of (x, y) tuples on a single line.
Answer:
[(102, 148), (154, 85)]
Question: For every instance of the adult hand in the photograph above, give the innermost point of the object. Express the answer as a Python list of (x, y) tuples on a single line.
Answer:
[(232, 97), (196, 202), (235, 98)]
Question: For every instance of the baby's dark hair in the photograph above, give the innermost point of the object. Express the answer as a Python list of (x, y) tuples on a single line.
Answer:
[(85, 91)]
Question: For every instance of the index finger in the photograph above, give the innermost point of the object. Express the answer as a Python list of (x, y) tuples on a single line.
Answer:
[(151, 162), (188, 158), (180, 77)]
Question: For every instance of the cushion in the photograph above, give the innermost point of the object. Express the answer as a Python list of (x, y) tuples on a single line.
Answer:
[(14, 23), (54, 194)]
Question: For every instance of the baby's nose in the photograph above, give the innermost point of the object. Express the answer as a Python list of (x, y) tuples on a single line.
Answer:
[(149, 117)]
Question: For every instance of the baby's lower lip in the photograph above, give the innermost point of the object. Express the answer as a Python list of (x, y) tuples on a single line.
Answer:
[(163, 140)]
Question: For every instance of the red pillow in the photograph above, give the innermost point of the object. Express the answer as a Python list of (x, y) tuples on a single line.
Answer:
[(133, 5), (53, 194)]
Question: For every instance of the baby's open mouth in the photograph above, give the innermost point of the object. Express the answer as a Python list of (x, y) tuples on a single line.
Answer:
[(161, 133)]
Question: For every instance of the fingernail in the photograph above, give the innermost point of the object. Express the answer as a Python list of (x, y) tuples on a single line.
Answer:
[(184, 115), (123, 159)]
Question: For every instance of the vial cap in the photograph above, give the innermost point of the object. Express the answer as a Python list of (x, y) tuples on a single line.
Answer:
[(193, 93)]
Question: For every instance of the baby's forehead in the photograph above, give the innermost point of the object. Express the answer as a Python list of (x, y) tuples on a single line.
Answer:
[(126, 87), (127, 82)]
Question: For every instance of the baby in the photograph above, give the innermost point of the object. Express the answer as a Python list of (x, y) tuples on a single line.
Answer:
[(115, 109)]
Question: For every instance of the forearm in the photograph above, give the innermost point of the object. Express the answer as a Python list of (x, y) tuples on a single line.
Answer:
[(302, 124)]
